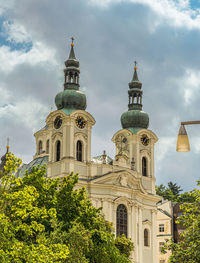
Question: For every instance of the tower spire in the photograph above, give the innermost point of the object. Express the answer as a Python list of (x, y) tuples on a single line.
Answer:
[(135, 92), (72, 54), (72, 71), (71, 98), (135, 76), (135, 117)]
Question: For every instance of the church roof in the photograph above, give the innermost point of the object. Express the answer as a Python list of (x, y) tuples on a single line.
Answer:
[(164, 212), (38, 161)]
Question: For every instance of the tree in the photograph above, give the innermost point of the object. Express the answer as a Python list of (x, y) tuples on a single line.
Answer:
[(47, 220), (188, 249), (186, 197), (174, 188), (171, 192), (23, 227)]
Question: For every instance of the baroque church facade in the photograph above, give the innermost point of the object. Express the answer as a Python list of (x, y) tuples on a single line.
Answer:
[(124, 186)]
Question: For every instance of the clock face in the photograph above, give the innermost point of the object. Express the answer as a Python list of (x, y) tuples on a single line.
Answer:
[(80, 122), (58, 122), (145, 140)]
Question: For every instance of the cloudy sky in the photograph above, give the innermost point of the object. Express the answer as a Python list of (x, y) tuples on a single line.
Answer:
[(162, 35)]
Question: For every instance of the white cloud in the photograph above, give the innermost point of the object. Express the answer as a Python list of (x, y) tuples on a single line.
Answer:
[(5, 95), (190, 84), (39, 53), (164, 146), (176, 13), (16, 32), (195, 144), (29, 112)]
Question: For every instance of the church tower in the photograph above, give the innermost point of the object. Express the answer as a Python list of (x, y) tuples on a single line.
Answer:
[(66, 138), (135, 143)]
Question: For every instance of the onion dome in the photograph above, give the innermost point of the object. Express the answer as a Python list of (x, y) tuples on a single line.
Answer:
[(135, 117), (71, 98)]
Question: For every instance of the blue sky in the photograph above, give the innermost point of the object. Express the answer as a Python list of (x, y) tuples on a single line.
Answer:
[(162, 35)]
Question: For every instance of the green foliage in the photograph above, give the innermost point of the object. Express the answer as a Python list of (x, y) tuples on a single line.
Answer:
[(124, 245), (23, 232), (47, 220), (188, 249), (171, 192), (187, 197)]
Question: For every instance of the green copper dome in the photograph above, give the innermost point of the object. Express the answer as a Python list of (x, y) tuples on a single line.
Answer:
[(135, 117), (71, 98)]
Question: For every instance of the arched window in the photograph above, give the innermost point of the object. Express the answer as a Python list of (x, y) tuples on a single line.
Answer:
[(121, 220), (146, 237), (47, 147), (70, 77), (40, 147), (57, 151), (144, 166), (76, 77), (79, 151)]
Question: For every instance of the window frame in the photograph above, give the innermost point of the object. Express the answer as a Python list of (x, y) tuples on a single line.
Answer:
[(47, 146), (79, 151), (144, 166), (121, 220), (161, 228), (58, 153), (146, 237), (40, 147)]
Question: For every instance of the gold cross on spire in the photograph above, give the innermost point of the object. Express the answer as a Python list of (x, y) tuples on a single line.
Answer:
[(72, 44), (135, 65)]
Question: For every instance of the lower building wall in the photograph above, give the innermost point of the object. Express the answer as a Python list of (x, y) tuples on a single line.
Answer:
[(141, 254)]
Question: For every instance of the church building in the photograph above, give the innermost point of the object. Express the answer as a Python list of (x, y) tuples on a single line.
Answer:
[(124, 186)]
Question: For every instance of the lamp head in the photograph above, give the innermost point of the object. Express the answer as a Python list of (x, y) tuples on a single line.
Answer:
[(182, 144)]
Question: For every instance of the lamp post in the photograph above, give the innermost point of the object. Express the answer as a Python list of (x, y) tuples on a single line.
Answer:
[(183, 144)]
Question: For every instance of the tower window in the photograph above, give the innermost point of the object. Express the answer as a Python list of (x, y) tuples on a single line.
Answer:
[(146, 238), (121, 220), (47, 147), (79, 151), (161, 228), (144, 166), (58, 151), (40, 147), (76, 78), (70, 77)]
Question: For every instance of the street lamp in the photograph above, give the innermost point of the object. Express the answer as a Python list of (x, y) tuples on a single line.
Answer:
[(183, 144)]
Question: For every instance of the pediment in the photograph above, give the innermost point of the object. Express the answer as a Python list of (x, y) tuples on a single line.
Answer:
[(122, 179), (146, 222)]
